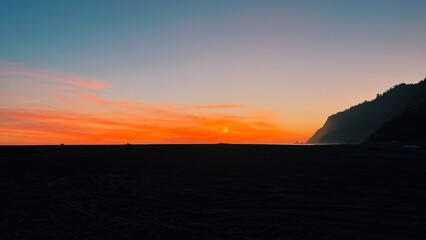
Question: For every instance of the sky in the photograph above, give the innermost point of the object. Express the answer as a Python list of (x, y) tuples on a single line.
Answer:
[(112, 72)]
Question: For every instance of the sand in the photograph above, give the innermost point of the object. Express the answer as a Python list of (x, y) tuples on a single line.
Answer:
[(213, 192)]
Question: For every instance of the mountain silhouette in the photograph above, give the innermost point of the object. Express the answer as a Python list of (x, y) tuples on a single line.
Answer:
[(393, 115), (408, 126)]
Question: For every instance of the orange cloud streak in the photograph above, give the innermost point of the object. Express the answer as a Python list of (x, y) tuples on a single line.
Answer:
[(38, 126), (220, 106)]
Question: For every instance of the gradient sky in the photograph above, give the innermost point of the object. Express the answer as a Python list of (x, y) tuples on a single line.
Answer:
[(197, 71)]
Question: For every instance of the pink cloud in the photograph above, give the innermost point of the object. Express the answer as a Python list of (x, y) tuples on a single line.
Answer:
[(93, 98), (54, 75)]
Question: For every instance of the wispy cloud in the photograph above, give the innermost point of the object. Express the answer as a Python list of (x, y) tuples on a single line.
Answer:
[(93, 98), (106, 121), (220, 106), (54, 75), (70, 113), (41, 126)]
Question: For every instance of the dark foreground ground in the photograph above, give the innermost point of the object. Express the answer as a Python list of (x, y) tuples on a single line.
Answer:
[(213, 192)]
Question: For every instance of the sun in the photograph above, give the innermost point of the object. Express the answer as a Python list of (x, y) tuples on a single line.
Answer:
[(225, 130)]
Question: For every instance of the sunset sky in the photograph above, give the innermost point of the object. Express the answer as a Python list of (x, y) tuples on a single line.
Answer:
[(112, 72)]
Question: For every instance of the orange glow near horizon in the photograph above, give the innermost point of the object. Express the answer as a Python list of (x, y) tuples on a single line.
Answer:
[(43, 126), (68, 109)]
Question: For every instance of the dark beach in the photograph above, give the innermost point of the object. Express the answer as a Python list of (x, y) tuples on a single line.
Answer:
[(213, 192)]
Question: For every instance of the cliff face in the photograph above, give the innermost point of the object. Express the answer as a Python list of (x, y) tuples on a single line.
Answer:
[(356, 124)]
